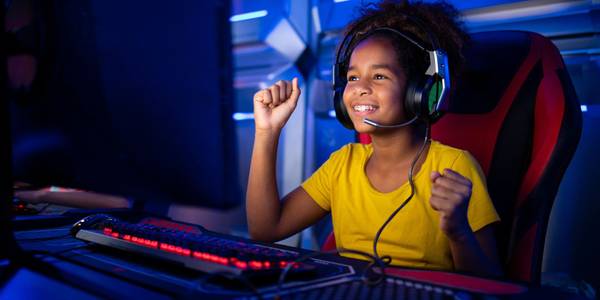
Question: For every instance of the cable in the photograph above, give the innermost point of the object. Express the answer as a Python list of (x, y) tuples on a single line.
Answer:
[(375, 259), (412, 193)]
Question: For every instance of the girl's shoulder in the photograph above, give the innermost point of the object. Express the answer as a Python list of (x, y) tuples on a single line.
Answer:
[(451, 156), (440, 147), (442, 151)]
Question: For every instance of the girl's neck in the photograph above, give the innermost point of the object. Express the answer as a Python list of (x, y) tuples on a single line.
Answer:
[(398, 146)]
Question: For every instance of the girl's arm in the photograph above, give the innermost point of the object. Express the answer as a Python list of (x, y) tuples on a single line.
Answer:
[(473, 252), (268, 218)]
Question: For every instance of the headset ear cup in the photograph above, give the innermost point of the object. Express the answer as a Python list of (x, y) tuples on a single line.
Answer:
[(418, 102), (412, 99), (427, 104), (430, 98), (433, 98), (340, 109)]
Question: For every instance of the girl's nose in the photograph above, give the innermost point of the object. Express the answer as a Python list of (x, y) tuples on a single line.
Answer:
[(362, 89)]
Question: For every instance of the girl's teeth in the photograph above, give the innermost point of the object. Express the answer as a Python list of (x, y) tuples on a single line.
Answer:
[(362, 108)]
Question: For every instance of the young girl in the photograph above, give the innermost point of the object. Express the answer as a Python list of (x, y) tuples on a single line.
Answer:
[(446, 221)]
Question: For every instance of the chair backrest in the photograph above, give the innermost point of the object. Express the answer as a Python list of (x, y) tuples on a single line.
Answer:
[(516, 111)]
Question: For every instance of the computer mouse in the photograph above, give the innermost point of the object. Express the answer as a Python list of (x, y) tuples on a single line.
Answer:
[(91, 222)]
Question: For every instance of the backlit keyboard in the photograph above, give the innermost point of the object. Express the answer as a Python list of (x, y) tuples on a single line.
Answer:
[(196, 250)]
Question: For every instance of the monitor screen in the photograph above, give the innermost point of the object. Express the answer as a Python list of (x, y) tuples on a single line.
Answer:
[(136, 101)]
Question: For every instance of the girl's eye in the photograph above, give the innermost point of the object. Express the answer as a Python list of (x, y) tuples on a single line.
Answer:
[(352, 78), (379, 76)]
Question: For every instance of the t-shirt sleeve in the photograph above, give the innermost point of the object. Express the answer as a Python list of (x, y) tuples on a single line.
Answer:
[(481, 211), (319, 185)]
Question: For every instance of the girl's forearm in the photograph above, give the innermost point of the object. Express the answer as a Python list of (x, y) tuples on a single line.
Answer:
[(263, 207), (468, 256)]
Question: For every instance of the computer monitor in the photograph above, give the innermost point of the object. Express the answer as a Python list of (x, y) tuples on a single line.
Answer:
[(137, 101)]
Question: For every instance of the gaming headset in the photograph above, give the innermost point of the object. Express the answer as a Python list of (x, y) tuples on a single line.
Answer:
[(425, 96)]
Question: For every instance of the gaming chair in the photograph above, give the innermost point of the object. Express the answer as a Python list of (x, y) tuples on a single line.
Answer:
[(514, 109)]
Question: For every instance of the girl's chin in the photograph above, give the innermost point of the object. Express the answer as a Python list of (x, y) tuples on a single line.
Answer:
[(361, 127)]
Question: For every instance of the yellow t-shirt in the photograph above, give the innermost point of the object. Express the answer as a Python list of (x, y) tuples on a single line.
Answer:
[(413, 237)]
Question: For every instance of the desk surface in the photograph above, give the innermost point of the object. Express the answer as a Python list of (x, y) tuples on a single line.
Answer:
[(109, 273)]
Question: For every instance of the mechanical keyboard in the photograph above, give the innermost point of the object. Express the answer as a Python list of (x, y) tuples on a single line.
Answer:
[(206, 252)]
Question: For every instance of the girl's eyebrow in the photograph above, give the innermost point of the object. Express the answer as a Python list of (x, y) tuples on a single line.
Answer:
[(374, 67)]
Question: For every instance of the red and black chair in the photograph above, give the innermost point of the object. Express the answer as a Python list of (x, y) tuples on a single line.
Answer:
[(516, 111)]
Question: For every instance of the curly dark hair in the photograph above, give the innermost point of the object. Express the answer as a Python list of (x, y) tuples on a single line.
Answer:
[(439, 18)]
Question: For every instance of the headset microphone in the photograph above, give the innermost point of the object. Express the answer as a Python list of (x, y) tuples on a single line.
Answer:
[(375, 124)]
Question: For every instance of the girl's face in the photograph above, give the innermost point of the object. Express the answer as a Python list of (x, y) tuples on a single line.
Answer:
[(376, 85)]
